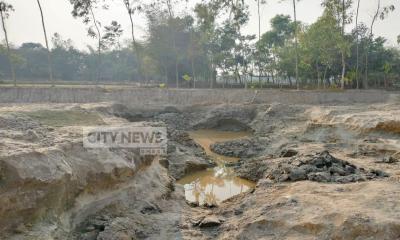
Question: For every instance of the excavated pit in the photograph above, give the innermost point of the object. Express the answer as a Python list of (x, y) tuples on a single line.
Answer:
[(232, 171)]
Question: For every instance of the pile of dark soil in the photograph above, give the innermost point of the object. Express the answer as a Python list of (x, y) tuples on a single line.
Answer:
[(240, 148), (322, 167)]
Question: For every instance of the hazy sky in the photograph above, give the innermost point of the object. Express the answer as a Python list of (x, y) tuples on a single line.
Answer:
[(25, 25)]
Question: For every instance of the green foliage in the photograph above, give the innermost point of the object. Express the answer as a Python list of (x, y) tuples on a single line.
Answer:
[(187, 78), (208, 48), (5, 9)]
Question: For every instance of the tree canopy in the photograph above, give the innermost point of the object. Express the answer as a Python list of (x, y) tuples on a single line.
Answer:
[(206, 47)]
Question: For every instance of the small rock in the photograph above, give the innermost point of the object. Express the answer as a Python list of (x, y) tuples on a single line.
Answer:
[(20, 229), (288, 153), (335, 169), (238, 212), (192, 204), (379, 173), (319, 176), (89, 235), (388, 159), (164, 162), (209, 205), (210, 221), (298, 174)]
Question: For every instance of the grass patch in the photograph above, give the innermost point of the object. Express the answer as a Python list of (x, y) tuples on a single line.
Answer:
[(66, 118)]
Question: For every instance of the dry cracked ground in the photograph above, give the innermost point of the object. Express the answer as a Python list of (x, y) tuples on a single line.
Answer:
[(321, 172)]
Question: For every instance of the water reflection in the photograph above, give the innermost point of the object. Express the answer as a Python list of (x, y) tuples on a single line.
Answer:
[(217, 184)]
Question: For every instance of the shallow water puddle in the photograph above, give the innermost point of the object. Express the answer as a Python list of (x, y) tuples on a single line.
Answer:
[(219, 183)]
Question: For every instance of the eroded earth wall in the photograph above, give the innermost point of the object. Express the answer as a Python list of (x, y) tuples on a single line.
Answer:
[(152, 96)]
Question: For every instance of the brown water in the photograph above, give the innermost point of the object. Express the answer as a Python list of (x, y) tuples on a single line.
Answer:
[(219, 183)]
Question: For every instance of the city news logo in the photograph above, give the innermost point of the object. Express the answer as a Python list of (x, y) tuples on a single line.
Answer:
[(149, 140)]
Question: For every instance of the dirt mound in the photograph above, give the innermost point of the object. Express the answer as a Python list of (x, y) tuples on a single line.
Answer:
[(322, 167), (238, 148)]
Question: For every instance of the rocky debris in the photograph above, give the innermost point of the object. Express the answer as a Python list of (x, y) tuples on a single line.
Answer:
[(175, 119), (150, 208), (240, 148), (252, 169), (322, 167), (18, 122), (184, 155), (183, 138), (389, 159), (210, 221), (287, 153)]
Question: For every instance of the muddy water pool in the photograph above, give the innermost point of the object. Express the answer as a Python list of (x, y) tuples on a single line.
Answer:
[(216, 184)]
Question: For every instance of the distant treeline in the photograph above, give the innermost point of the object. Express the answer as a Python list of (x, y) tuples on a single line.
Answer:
[(70, 64), (207, 48)]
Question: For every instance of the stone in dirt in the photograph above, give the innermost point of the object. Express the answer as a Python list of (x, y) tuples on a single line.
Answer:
[(210, 221), (388, 159), (286, 153)]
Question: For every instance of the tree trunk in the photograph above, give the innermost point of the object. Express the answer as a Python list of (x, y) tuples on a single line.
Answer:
[(98, 47), (296, 45), (134, 45), (192, 58), (259, 40), (171, 17), (357, 45), (370, 40), (8, 49), (47, 46), (343, 70), (343, 50), (318, 76), (326, 70)]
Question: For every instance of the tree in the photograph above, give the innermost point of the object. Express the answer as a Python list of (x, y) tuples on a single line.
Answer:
[(112, 34), (277, 47), (296, 44), (339, 8), (47, 44), (319, 45), (131, 8), (84, 9), (168, 5), (259, 2), (206, 14), (5, 10), (357, 45), (381, 13)]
